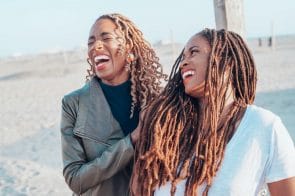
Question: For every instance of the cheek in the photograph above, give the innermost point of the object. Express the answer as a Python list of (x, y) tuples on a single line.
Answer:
[(203, 75), (117, 47), (119, 59), (203, 70), (90, 59), (89, 51), (120, 50)]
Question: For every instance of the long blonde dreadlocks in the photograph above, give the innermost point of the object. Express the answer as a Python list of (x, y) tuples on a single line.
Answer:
[(146, 71), (182, 140)]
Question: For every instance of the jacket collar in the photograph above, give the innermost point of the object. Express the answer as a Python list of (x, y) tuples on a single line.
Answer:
[(95, 119)]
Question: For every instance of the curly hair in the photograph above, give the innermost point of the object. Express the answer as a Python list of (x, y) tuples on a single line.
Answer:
[(180, 140), (146, 71)]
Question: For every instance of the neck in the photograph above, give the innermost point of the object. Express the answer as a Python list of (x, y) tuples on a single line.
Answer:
[(229, 100), (116, 81)]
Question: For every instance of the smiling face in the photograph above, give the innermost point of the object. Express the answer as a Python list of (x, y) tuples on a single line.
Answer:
[(107, 52), (194, 64)]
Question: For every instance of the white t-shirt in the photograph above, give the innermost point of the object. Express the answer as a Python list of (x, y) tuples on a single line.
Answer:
[(261, 151)]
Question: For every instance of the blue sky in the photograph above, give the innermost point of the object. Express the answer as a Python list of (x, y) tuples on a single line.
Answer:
[(34, 26)]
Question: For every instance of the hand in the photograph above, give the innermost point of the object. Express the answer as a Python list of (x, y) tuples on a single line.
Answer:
[(136, 133)]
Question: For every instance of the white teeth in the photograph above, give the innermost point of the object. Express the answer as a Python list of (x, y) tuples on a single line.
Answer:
[(101, 57), (187, 73)]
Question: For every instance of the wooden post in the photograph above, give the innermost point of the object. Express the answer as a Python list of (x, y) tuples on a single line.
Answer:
[(229, 15)]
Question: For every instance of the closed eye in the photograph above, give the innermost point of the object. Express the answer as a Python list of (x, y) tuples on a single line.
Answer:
[(90, 43), (194, 51), (107, 38)]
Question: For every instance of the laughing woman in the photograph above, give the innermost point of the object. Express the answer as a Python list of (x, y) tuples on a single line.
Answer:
[(204, 136), (98, 120)]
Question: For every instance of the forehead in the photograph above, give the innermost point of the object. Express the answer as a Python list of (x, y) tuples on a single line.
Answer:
[(103, 25), (197, 40)]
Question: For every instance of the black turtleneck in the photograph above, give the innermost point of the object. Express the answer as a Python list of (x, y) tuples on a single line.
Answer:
[(119, 99)]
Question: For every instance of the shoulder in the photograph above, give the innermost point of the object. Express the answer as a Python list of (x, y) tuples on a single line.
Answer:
[(268, 126), (260, 116), (70, 102), (262, 126), (74, 95)]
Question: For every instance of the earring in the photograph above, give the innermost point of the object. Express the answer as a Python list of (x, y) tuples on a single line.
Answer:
[(130, 60)]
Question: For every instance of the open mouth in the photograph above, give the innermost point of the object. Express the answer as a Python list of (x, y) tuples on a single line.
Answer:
[(187, 74), (101, 59)]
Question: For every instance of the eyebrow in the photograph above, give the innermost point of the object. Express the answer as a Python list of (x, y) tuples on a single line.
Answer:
[(101, 34), (105, 33), (191, 48)]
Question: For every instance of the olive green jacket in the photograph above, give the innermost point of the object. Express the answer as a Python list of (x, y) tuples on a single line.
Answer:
[(96, 155)]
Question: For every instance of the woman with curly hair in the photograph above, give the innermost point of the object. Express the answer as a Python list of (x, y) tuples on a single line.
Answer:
[(98, 125), (204, 136)]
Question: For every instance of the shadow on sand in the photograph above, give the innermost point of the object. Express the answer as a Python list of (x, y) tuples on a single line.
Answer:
[(14, 76)]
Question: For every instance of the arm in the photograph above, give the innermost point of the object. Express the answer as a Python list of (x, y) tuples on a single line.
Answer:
[(134, 136), (79, 174), (136, 133), (281, 173), (283, 187)]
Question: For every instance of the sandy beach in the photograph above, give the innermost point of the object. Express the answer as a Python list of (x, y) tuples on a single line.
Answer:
[(32, 88)]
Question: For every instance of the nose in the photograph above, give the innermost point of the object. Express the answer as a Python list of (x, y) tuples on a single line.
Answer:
[(183, 63), (98, 45)]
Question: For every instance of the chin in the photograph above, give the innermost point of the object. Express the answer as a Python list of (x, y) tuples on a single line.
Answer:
[(193, 94), (188, 91)]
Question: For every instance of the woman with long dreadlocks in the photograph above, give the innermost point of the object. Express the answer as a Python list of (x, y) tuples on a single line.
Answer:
[(98, 120), (204, 136)]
